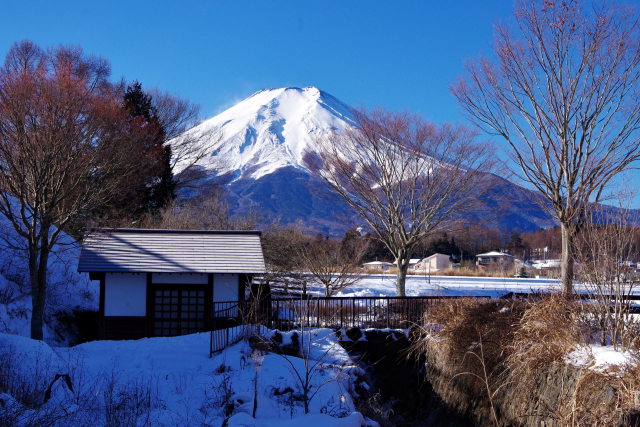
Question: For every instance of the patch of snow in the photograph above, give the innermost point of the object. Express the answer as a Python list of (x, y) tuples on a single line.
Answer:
[(600, 358)]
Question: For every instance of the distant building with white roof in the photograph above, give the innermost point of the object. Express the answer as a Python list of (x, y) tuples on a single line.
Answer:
[(433, 263), (549, 263), (377, 265), (495, 259)]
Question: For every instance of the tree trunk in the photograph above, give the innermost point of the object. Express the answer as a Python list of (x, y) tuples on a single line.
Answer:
[(402, 262), (38, 264), (37, 299), (566, 273)]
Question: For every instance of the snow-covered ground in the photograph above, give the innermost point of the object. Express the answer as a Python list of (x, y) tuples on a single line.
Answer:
[(68, 290), (173, 382), (384, 285)]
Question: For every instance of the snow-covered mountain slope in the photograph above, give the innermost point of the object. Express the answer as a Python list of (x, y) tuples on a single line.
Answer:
[(269, 130), (256, 148)]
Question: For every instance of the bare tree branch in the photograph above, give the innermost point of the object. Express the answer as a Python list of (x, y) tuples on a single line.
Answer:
[(407, 178), (561, 90)]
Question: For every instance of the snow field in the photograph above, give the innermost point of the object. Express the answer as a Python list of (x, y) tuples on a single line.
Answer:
[(173, 382), (423, 285)]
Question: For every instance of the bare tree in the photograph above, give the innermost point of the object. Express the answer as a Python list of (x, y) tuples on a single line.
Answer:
[(63, 149), (606, 253), (207, 211), (189, 143), (282, 248), (562, 91), (331, 264), (407, 178)]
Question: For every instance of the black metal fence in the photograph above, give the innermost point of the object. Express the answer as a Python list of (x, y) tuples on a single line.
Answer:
[(228, 326), (350, 312), (230, 318)]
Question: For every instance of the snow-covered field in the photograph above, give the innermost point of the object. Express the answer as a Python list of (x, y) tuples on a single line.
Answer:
[(384, 285), (173, 382)]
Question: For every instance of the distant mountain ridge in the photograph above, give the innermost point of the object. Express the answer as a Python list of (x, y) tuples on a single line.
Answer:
[(260, 160)]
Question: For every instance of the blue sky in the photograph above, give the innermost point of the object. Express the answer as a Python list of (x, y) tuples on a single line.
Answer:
[(400, 55)]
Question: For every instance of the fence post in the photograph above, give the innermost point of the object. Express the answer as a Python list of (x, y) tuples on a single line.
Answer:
[(388, 318), (353, 312), (213, 325)]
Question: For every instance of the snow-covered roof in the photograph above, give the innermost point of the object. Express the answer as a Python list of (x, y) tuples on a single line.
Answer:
[(550, 263), (414, 261), (494, 253), (171, 251), (378, 263)]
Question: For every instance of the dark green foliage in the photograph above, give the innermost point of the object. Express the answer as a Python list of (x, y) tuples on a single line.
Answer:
[(137, 102), (154, 186), (443, 245), (516, 246)]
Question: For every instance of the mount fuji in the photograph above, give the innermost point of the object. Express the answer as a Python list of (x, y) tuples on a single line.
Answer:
[(257, 149)]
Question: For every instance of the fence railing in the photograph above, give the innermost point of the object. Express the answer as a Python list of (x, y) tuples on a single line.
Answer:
[(227, 325), (230, 317), (350, 312)]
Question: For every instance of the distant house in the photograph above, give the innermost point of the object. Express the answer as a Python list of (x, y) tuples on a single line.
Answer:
[(377, 265), (165, 282), (495, 259), (546, 264), (433, 263), (413, 262)]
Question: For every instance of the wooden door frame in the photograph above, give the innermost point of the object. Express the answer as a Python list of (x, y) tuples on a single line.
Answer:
[(151, 302)]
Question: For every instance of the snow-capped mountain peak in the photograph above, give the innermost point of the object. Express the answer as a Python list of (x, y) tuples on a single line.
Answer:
[(257, 149), (271, 129)]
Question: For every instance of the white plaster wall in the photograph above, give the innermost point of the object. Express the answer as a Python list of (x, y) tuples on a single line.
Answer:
[(180, 278), (125, 294), (442, 262), (225, 287)]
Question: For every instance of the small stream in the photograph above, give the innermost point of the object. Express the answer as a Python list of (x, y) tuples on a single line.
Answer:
[(400, 395)]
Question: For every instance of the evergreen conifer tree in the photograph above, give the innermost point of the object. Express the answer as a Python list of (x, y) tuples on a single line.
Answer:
[(156, 186)]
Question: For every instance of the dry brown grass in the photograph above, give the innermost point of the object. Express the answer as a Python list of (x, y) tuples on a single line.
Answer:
[(468, 336), (505, 361), (546, 332), (473, 272)]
